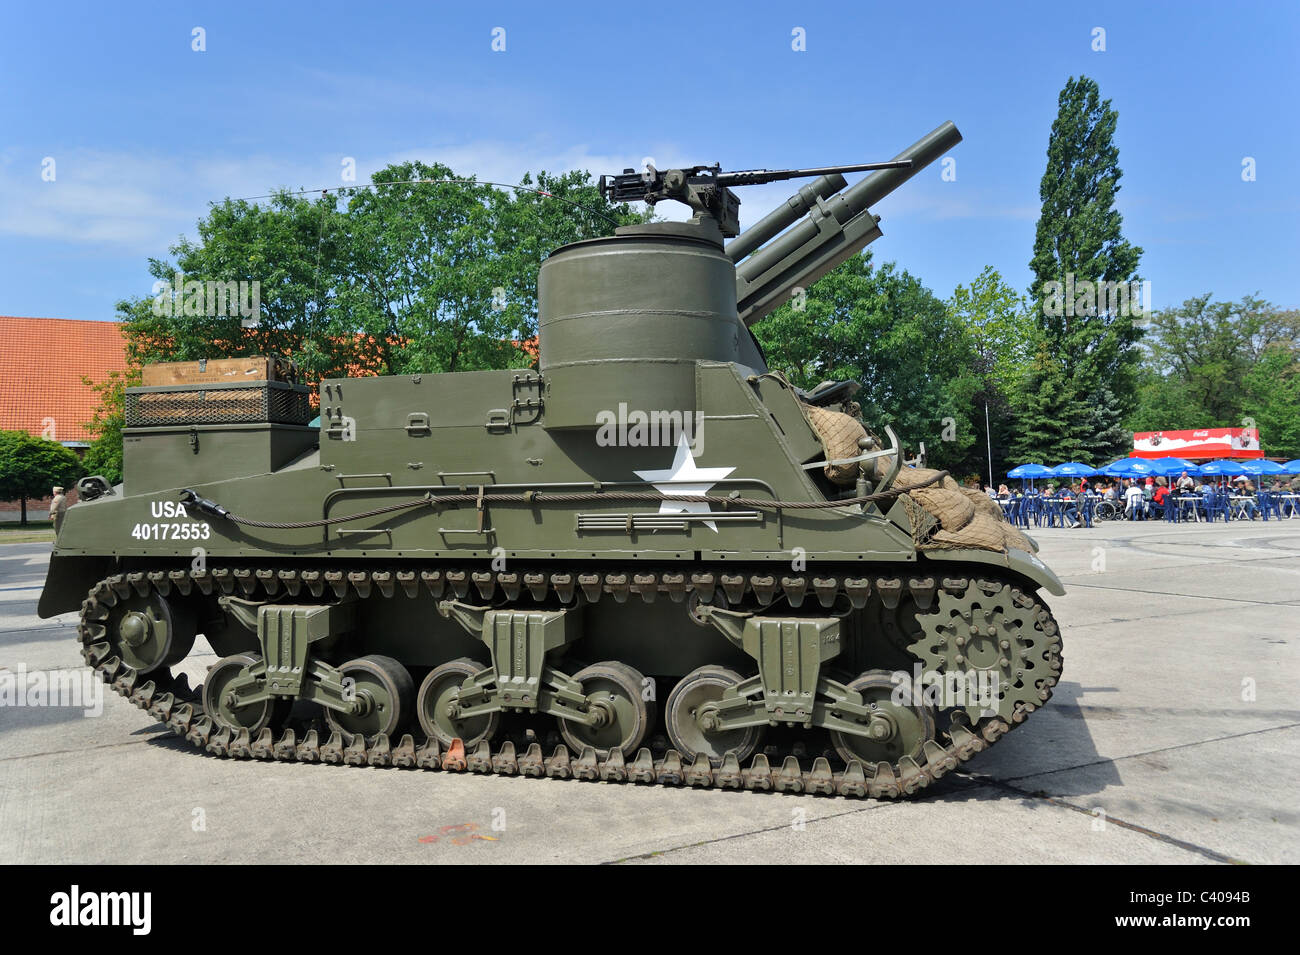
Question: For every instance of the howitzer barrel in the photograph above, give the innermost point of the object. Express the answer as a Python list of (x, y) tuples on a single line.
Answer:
[(780, 218), (924, 151), (833, 231)]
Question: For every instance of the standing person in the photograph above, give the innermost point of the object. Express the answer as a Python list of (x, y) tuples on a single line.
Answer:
[(58, 505), (1186, 484)]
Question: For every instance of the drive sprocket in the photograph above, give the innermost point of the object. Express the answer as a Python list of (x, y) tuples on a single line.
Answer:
[(997, 648)]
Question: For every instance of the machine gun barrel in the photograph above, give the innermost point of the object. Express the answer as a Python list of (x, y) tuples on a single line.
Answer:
[(755, 177), (834, 230)]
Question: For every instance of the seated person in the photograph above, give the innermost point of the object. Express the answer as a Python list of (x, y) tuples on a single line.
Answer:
[(1160, 500), (1246, 492), (1070, 507), (1134, 504)]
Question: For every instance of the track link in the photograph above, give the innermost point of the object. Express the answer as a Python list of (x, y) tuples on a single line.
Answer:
[(173, 702)]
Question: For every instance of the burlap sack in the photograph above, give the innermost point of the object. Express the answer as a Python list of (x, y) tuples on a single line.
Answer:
[(839, 434), (984, 532), (966, 517), (943, 499), (983, 503)]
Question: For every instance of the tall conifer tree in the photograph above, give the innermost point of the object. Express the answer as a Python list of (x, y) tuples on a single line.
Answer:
[(1083, 273)]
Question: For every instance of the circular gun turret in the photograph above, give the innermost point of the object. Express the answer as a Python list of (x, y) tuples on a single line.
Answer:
[(662, 296)]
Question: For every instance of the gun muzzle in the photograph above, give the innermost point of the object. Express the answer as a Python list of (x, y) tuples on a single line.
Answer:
[(877, 185), (832, 232)]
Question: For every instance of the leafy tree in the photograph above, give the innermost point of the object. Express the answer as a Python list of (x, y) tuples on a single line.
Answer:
[(1199, 356), (1272, 400), (30, 466), (1083, 267), (1001, 326), (403, 277), (291, 248), (104, 456), (884, 329), (1004, 335)]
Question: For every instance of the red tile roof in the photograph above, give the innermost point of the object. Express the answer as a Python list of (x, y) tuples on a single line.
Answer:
[(42, 361)]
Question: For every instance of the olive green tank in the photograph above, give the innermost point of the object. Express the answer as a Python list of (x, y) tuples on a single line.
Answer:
[(652, 559)]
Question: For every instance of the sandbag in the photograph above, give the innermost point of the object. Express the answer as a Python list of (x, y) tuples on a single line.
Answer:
[(983, 503), (952, 516), (984, 532), (839, 434), (943, 499)]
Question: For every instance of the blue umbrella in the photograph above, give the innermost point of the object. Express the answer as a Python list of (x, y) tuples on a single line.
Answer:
[(1073, 469), (1029, 471), (1129, 467), (1222, 466), (1171, 466), (1292, 467), (1262, 467)]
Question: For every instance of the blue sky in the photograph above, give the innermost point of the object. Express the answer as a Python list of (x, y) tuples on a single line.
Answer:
[(144, 131)]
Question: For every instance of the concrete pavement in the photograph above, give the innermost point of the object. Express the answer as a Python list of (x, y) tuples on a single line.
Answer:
[(1174, 737)]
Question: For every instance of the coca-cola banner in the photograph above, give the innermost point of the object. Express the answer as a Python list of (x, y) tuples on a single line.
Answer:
[(1205, 443)]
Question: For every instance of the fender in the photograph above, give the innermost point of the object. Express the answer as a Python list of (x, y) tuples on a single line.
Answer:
[(68, 580), (1017, 561)]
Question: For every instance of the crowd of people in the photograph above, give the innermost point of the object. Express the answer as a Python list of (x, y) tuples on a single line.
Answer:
[(1141, 498)]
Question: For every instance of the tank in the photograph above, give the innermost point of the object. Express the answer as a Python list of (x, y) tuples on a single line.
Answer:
[(651, 559)]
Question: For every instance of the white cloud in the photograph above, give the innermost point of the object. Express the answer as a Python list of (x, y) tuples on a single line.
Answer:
[(140, 202)]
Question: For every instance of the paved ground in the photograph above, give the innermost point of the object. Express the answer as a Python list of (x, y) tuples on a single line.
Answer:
[(1173, 737)]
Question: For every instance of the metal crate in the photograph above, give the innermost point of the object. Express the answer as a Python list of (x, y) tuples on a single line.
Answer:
[(264, 401)]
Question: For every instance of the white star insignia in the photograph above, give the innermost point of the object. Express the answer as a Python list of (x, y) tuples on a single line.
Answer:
[(684, 477)]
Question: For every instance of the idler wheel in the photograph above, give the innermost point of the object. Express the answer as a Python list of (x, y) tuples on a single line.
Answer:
[(253, 717), (616, 691), (149, 633), (436, 706), (895, 730), (689, 714), (382, 697)]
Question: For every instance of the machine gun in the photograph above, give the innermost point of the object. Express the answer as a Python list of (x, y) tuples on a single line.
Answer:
[(706, 189), (780, 253)]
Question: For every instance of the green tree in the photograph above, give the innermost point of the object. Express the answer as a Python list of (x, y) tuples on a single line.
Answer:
[(1199, 356), (1052, 419), (884, 329), (30, 466), (104, 456), (1083, 267), (1272, 400), (404, 276), (1003, 335)]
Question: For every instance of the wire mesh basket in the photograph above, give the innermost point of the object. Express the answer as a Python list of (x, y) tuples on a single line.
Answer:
[(266, 401)]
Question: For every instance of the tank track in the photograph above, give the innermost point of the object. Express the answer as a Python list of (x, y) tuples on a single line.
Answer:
[(172, 701)]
